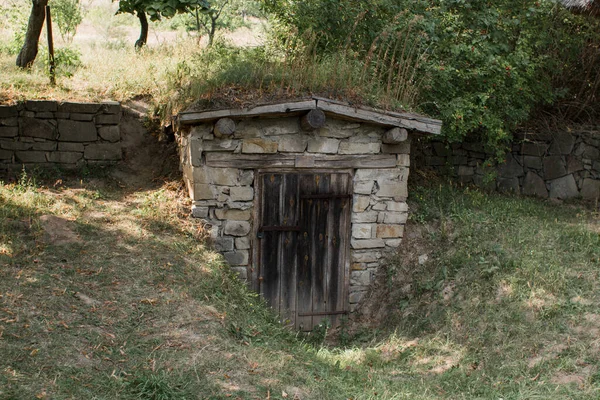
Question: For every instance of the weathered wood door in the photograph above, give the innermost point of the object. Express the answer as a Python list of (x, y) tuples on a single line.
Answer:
[(303, 242)]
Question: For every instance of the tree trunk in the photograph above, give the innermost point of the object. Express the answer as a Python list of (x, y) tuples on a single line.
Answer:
[(141, 42), (29, 50), (213, 29)]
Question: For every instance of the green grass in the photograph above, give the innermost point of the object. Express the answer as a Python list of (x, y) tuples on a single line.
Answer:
[(138, 307)]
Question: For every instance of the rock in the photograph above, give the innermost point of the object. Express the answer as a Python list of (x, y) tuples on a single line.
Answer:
[(293, 144), (397, 206), (532, 162), (203, 191), (233, 215), (563, 188), (278, 126), (423, 259), (393, 189), (76, 131), (64, 157), (359, 148), (590, 189), (223, 243), (591, 153), (9, 121), (80, 117), (402, 148), (361, 231), (111, 107), (220, 145), (58, 231), (395, 136), (390, 231), (80, 108), (403, 160), (393, 242), (242, 272), (41, 105), (110, 133), (242, 243), (379, 206), (511, 168), (534, 149), (392, 217), (360, 203), (323, 145), (70, 147), (43, 146), (6, 155), (360, 278), (237, 228), (242, 193), (259, 146), (465, 171), (108, 119), (562, 144), (367, 244), (8, 111), (103, 151), (573, 164), (533, 185), (32, 127), (364, 187), (364, 217), (31, 156), (199, 212), (9, 131), (237, 257), (554, 167), (356, 297), (365, 256)]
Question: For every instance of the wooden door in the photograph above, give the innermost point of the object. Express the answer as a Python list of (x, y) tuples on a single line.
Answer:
[(303, 243)]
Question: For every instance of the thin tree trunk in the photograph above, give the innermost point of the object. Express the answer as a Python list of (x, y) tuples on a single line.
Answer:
[(141, 42), (29, 50), (213, 29)]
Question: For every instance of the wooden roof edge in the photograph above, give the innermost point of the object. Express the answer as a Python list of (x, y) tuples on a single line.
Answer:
[(343, 110)]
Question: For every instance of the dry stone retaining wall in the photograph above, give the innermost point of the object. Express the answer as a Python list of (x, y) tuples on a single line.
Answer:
[(557, 164), (66, 134)]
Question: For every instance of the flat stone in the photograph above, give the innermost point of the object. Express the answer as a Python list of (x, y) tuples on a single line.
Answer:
[(32, 127), (365, 256), (41, 105), (77, 131), (364, 217), (43, 146), (65, 146), (199, 212), (6, 155), (393, 242), (280, 126), (323, 145), (532, 162), (220, 145), (259, 146), (81, 117), (533, 185), (8, 111), (360, 203), (573, 164), (108, 119), (44, 115), (511, 168), (465, 171), (380, 174), (31, 156), (397, 206), (110, 133), (402, 148), (84, 108), (359, 148), (362, 231), (393, 189), (564, 188), (237, 228), (361, 278), (64, 157), (534, 149), (246, 177), (590, 189), (9, 131), (293, 144), (562, 143), (223, 243), (234, 215), (204, 192), (111, 107), (12, 145), (591, 153), (103, 151), (367, 244), (356, 297), (333, 131), (403, 160), (241, 193), (392, 217), (242, 243), (554, 167), (390, 231), (237, 257), (364, 187), (9, 121), (379, 206)]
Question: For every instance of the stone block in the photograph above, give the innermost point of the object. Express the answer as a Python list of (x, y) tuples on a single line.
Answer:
[(233, 215), (564, 188), (366, 256), (31, 156), (77, 131), (534, 149), (62, 115), (81, 117), (242, 272), (293, 144), (359, 244), (465, 171), (364, 217), (402, 148), (237, 228), (223, 243), (241, 193), (242, 243), (392, 217), (103, 151), (358, 266), (360, 203), (110, 133), (562, 143), (32, 127), (108, 119), (393, 242), (356, 297), (403, 160), (397, 206), (237, 257), (259, 146), (334, 131), (591, 153), (63, 157), (508, 185), (534, 185), (43, 146), (280, 126), (360, 278), (390, 231), (9, 131), (359, 148), (111, 107), (362, 231), (554, 167), (393, 189), (240, 205), (65, 146), (79, 108), (590, 189), (8, 111), (41, 105), (381, 175), (379, 206), (11, 145), (533, 162), (6, 155), (511, 168), (363, 187), (246, 177), (199, 212), (220, 145), (573, 164), (323, 145), (44, 115), (9, 121)]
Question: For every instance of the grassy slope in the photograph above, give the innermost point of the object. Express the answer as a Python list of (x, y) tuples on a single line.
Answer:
[(506, 306)]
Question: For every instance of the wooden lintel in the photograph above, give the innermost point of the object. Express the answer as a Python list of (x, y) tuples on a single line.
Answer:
[(256, 161)]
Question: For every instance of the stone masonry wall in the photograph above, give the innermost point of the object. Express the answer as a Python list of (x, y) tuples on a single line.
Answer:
[(556, 164), (225, 197), (66, 134)]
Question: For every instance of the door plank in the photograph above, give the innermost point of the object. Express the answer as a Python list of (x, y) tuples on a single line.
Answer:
[(289, 243), (319, 248), (304, 265), (269, 244)]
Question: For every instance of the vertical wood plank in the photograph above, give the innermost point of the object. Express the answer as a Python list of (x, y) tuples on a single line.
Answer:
[(304, 265), (319, 248), (289, 244), (269, 244)]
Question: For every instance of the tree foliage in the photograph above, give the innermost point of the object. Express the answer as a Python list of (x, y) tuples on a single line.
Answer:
[(68, 16), (487, 64), (157, 9)]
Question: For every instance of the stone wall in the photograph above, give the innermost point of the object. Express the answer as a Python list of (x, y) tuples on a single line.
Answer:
[(65, 134), (224, 195), (556, 164)]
